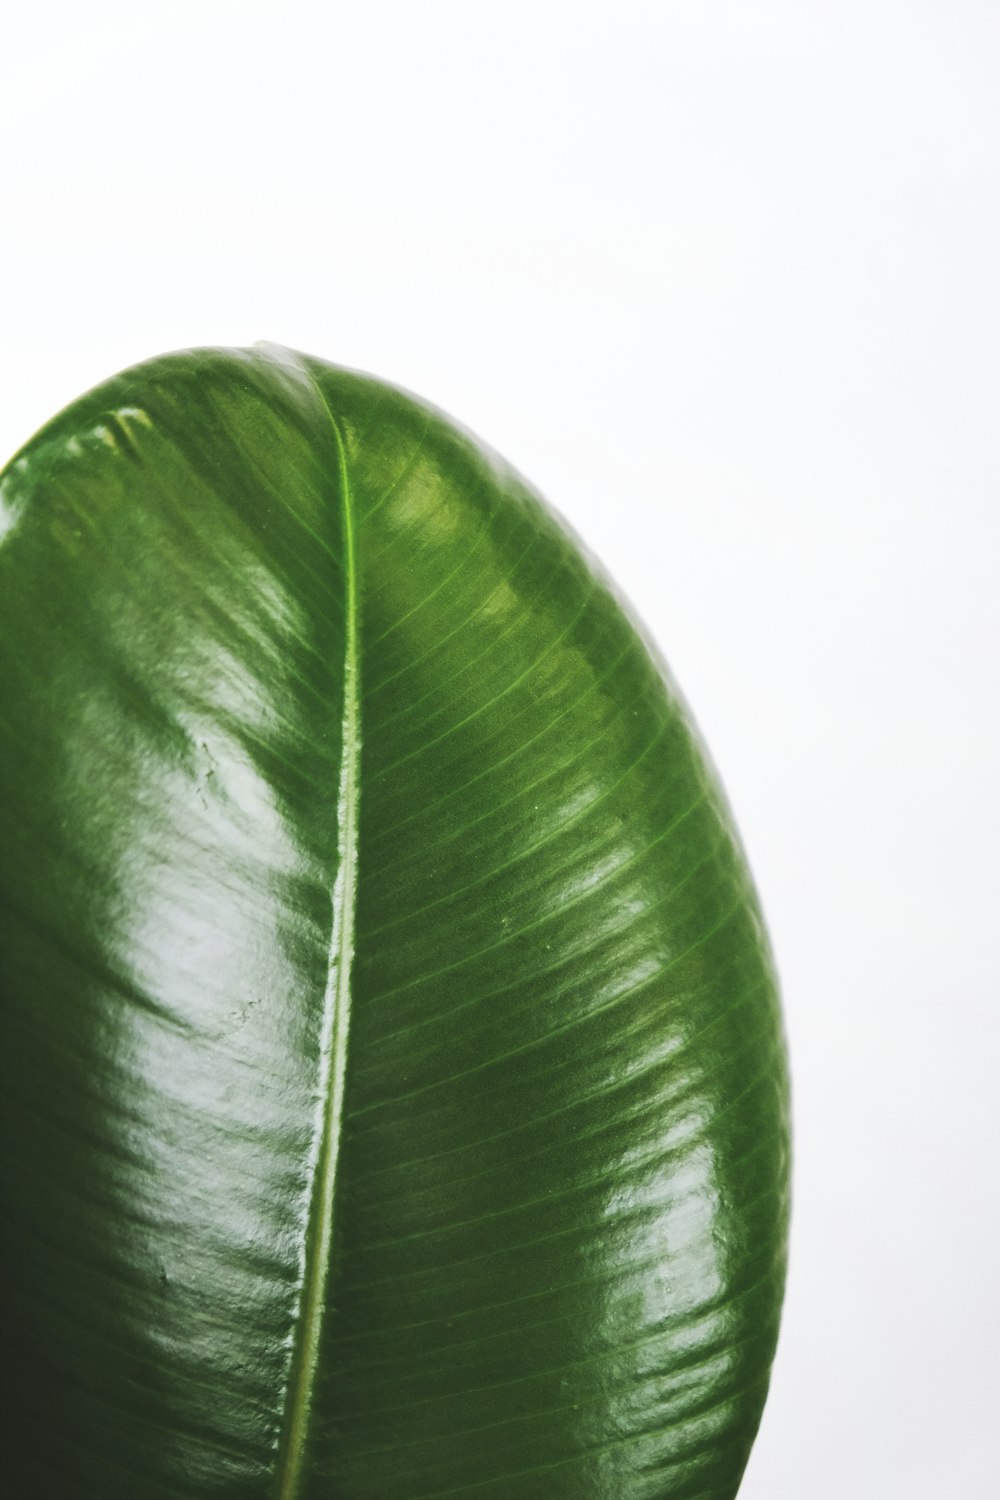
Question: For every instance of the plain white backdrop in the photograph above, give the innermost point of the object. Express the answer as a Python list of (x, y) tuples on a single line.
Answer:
[(723, 279)]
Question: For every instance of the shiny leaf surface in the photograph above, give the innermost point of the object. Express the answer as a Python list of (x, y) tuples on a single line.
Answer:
[(394, 1091)]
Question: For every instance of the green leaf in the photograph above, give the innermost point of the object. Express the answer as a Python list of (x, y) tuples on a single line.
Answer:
[(394, 1092)]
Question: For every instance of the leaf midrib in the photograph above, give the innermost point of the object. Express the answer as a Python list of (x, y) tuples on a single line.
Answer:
[(300, 1385)]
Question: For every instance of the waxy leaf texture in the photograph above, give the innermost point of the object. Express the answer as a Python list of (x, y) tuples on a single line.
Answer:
[(394, 1091)]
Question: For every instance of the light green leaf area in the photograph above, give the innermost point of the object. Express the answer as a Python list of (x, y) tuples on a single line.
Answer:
[(393, 1083)]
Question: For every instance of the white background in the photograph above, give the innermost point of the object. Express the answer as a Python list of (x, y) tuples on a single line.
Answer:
[(722, 279)]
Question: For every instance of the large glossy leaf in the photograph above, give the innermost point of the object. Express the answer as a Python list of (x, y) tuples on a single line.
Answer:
[(394, 1091)]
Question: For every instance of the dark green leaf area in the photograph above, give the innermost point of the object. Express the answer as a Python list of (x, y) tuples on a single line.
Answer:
[(394, 1091)]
